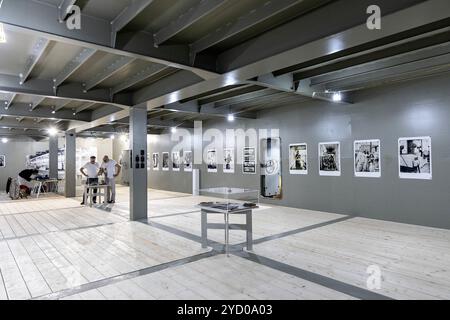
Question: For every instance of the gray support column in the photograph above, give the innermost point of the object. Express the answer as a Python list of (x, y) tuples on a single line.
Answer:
[(70, 165), (53, 157), (138, 163)]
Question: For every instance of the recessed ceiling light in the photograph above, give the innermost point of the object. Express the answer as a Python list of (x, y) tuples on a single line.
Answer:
[(337, 97), (4, 140), (173, 129), (230, 117), (52, 131)]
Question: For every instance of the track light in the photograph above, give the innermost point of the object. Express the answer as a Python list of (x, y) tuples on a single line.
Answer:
[(337, 97), (230, 117), (52, 131), (173, 129), (112, 137), (4, 140)]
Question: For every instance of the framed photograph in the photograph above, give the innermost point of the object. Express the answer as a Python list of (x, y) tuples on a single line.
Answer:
[(298, 158), (2, 161), (176, 161), (367, 158), (414, 158), (330, 159), (165, 161), (212, 160), (228, 161), (155, 161), (187, 161), (249, 161)]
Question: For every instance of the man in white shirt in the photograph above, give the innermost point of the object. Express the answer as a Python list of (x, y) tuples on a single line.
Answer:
[(90, 170), (111, 169)]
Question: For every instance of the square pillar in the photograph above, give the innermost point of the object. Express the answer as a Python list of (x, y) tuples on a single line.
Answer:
[(53, 157), (70, 182), (138, 163)]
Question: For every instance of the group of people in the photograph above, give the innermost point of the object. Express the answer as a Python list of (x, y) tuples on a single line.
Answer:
[(92, 171)]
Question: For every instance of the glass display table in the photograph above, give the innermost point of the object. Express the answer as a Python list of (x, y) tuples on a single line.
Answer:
[(233, 201)]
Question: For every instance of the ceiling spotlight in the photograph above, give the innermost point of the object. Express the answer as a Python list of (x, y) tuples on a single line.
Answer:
[(4, 140), (173, 129), (337, 97), (52, 131), (230, 117), (112, 137)]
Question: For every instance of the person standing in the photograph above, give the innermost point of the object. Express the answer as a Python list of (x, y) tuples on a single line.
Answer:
[(90, 170), (111, 169)]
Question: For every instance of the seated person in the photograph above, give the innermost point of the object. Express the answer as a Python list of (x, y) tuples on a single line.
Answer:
[(25, 177)]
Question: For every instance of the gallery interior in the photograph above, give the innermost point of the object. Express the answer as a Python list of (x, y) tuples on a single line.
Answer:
[(244, 150)]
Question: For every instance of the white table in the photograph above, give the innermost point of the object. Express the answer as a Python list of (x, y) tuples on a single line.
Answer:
[(50, 185), (102, 191)]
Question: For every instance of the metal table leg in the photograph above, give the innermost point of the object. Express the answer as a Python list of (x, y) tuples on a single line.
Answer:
[(249, 228), (204, 229), (227, 232)]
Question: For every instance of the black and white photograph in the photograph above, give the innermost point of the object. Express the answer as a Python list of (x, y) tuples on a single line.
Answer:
[(165, 161), (367, 158), (176, 161), (2, 161), (187, 161), (228, 161), (155, 160), (330, 159), (249, 160), (298, 158), (414, 158), (212, 160)]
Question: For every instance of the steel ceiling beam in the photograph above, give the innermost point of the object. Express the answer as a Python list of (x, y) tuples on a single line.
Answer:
[(188, 18), (109, 71), (73, 65), (126, 16), (10, 132), (142, 75), (36, 53), (59, 104), (194, 107), (84, 107), (7, 99), (23, 110), (240, 24), (29, 124), (94, 33), (36, 102), (72, 91)]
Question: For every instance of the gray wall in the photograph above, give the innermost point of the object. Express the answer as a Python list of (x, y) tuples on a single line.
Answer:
[(16, 152)]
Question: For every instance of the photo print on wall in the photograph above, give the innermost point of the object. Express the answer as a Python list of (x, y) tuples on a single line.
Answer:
[(367, 155), (187, 161), (249, 161), (298, 158), (155, 161), (165, 161), (176, 161), (228, 161), (330, 159), (212, 160), (414, 158), (2, 161)]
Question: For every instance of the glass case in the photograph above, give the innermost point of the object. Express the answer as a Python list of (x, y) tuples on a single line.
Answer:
[(230, 199)]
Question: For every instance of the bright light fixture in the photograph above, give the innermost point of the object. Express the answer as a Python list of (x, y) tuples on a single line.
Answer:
[(52, 131), (173, 129), (112, 137), (4, 140), (123, 137), (337, 97), (230, 117), (2, 34)]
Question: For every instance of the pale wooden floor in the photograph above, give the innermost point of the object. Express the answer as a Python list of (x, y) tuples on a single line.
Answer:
[(54, 248)]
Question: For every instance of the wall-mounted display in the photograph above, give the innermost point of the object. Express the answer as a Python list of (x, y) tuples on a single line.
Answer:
[(228, 161), (165, 161), (367, 158), (176, 161), (2, 161), (212, 160), (414, 158), (155, 161), (330, 158), (270, 156), (298, 158), (249, 161), (187, 161)]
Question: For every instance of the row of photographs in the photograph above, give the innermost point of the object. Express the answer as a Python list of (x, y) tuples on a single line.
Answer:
[(414, 158), (249, 161)]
